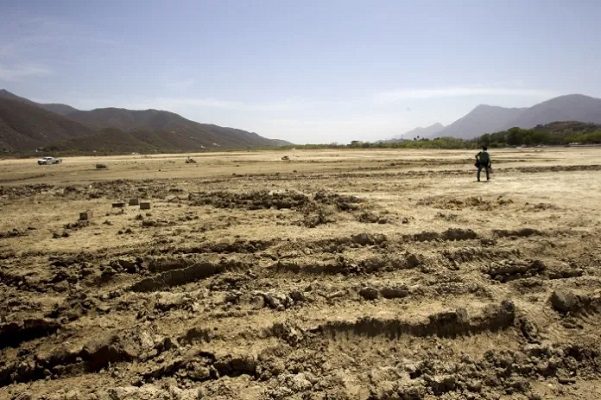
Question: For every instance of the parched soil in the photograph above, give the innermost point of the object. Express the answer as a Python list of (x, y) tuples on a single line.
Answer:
[(330, 275)]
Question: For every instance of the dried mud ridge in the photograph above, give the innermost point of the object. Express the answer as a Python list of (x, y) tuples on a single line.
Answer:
[(412, 315), (14, 333), (444, 324), (181, 276), (508, 371), (384, 173), (317, 209), (510, 270)]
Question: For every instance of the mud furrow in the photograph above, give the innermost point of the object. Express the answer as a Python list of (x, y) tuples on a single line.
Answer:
[(178, 277), (445, 324), (14, 333)]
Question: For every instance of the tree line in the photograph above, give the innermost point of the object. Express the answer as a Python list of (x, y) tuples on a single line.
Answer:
[(554, 134)]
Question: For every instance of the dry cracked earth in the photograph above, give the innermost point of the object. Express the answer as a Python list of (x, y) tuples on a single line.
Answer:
[(331, 275)]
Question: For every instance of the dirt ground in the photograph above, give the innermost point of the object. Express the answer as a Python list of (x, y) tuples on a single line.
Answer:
[(376, 274)]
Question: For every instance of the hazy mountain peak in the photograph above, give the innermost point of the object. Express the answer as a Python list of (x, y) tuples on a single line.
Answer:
[(437, 125), (484, 107), (422, 132), (61, 109), (571, 96), (486, 118), (9, 95), (490, 107), (572, 107)]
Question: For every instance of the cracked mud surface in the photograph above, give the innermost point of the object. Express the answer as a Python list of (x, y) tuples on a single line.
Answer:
[(334, 275)]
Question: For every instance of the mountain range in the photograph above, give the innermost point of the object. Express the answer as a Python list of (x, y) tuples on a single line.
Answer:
[(26, 126), (488, 119)]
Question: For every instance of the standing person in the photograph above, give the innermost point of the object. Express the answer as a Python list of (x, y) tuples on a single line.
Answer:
[(483, 161)]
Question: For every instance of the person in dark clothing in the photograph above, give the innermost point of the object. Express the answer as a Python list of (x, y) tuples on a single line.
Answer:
[(483, 162)]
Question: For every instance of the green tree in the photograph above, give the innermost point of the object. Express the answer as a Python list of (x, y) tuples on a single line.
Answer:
[(514, 137)]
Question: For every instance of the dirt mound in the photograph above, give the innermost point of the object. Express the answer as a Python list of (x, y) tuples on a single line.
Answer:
[(566, 302), (509, 270), (523, 232), (315, 214), (512, 269), (449, 234), (471, 202), (16, 192), (342, 202), (389, 292), (98, 354), (12, 233), (369, 217), (256, 200)]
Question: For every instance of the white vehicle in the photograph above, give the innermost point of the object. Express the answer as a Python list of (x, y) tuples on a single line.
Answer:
[(49, 161)]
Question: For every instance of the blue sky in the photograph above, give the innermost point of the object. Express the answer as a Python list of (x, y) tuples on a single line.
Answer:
[(305, 71)]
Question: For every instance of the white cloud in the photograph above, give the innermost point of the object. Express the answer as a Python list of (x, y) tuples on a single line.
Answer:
[(456, 91), (19, 72)]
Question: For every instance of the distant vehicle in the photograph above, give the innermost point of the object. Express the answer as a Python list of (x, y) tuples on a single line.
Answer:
[(49, 161)]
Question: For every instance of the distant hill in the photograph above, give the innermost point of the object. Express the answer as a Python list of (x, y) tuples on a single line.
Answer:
[(129, 120), (426, 132), (113, 140), (26, 125), (488, 119), (56, 108), (5, 94), (480, 120), (575, 107), (162, 129)]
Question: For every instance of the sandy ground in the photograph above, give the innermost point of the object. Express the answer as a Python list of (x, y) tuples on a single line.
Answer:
[(376, 274)]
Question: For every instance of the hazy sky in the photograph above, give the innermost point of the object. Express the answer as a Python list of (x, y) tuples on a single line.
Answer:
[(306, 71)]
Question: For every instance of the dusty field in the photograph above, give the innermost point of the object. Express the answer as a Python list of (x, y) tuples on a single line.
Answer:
[(335, 275)]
